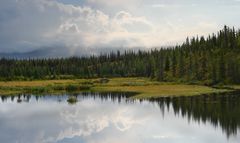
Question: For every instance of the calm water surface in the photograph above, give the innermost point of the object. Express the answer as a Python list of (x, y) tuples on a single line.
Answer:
[(112, 118)]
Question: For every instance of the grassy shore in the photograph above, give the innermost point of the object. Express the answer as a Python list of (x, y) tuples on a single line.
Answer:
[(237, 87), (144, 87)]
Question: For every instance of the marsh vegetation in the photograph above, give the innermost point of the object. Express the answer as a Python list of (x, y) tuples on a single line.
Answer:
[(143, 87)]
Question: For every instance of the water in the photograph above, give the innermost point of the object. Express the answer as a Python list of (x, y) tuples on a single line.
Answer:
[(113, 118)]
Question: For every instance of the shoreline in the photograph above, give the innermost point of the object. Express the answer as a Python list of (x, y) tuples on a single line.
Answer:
[(143, 87)]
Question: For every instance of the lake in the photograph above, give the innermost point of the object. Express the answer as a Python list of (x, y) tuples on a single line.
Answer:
[(114, 118)]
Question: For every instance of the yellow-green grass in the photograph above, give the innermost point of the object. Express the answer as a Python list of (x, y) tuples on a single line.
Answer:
[(8, 92), (154, 91), (146, 88), (49, 86), (112, 82), (143, 87), (35, 83), (237, 87)]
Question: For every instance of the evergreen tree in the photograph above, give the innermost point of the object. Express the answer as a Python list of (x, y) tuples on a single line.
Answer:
[(215, 59)]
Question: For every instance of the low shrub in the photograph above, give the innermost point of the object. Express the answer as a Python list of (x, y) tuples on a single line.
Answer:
[(72, 87), (72, 99)]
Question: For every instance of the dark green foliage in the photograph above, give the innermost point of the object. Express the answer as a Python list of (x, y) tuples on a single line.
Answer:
[(211, 60), (58, 87), (37, 90), (72, 87), (85, 87), (72, 99)]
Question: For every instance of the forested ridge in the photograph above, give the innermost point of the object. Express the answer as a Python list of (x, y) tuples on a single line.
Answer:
[(208, 60)]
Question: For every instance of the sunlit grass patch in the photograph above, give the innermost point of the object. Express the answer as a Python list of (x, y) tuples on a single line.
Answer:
[(145, 87), (151, 91)]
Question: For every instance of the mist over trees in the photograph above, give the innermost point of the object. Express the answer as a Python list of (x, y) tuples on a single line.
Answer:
[(208, 60)]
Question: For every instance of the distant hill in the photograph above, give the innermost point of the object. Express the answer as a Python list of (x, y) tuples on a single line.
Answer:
[(49, 52), (64, 52)]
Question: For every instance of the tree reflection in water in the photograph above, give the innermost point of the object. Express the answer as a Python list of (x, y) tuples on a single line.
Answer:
[(221, 110)]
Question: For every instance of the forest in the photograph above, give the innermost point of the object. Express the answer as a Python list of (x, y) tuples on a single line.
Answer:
[(203, 60)]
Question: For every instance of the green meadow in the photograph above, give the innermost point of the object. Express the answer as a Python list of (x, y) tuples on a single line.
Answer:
[(143, 87)]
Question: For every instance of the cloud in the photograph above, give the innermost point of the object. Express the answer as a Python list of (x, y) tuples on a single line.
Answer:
[(173, 5), (100, 30), (193, 3), (37, 25), (82, 126), (44, 23), (159, 5), (69, 28), (114, 3)]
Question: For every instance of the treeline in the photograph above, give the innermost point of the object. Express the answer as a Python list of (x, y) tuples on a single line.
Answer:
[(210, 60)]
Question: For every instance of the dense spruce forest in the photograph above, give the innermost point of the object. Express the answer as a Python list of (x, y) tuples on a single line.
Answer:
[(207, 60)]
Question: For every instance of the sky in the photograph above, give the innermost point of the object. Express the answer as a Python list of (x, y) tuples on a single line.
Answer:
[(85, 27)]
